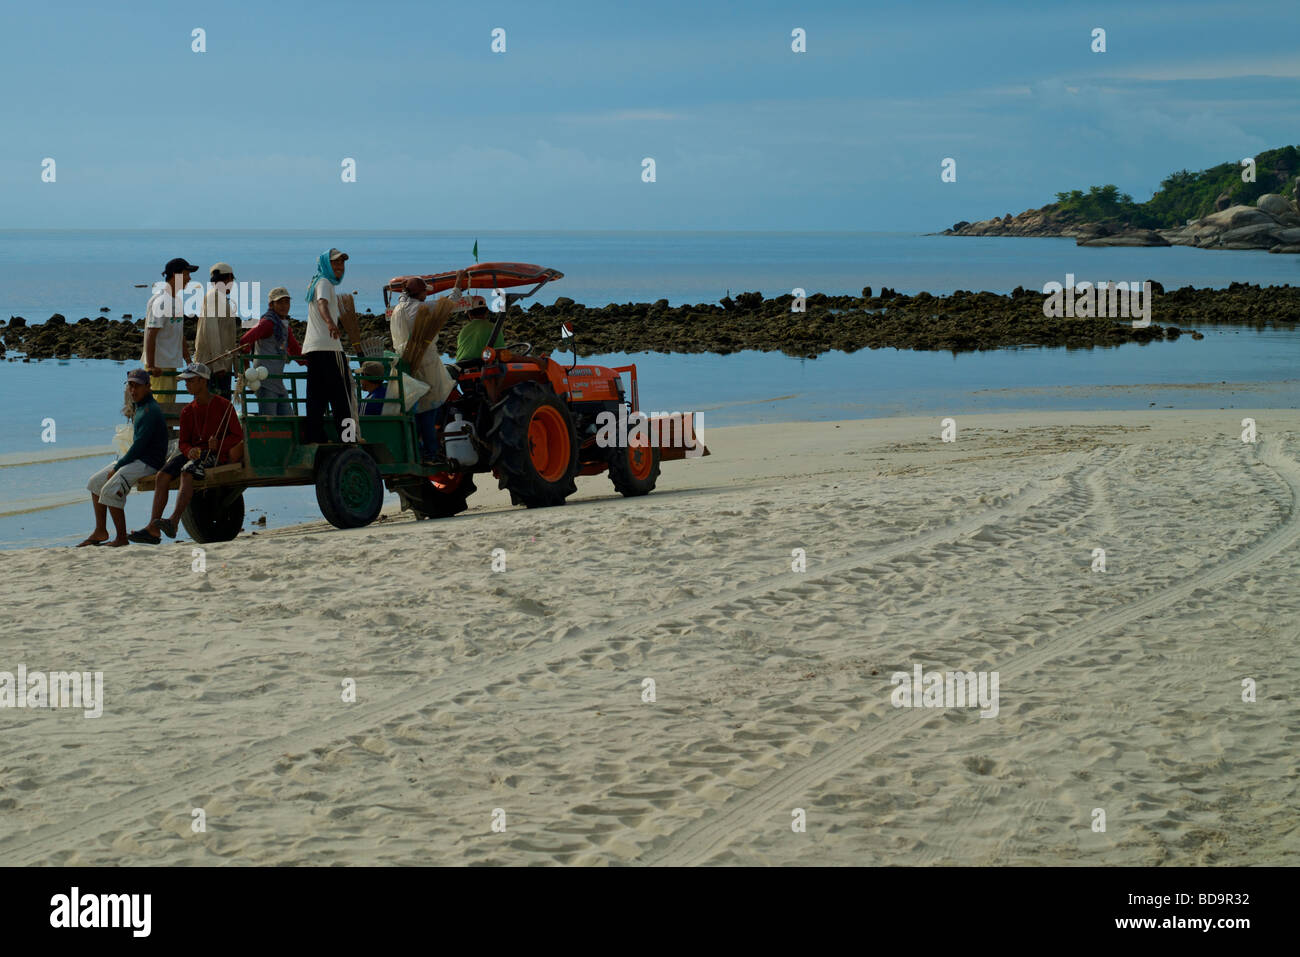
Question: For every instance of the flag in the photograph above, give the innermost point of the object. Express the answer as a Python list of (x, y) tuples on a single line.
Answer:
[(476, 250)]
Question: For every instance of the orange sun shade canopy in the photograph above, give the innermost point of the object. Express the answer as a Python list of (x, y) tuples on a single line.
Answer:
[(485, 276)]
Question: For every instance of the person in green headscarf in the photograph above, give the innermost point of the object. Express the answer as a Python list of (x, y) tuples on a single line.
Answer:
[(327, 366)]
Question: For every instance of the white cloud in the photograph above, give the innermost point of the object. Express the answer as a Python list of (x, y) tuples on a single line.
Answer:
[(620, 116), (1207, 69)]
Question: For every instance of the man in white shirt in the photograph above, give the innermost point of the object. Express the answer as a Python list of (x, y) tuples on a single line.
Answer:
[(165, 349), (329, 381), (429, 369)]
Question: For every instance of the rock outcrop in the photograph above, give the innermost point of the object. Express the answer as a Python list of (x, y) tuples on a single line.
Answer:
[(1131, 237), (1032, 222), (1271, 224)]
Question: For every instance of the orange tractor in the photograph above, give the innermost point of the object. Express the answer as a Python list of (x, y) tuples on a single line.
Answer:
[(533, 423)]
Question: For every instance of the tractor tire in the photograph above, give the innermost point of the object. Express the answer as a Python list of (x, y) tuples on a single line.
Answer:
[(634, 469), (207, 519), (435, 500), (534, 447), (349, 489)]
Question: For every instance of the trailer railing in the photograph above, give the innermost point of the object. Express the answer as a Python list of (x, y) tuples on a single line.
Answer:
[(250, 399)]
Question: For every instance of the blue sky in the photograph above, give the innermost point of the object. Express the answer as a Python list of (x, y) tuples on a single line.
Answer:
[(551, 134)]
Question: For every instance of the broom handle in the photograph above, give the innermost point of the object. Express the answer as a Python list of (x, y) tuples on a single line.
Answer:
[(351, 387)]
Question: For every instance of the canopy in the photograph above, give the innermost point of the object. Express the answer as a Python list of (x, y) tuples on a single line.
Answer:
[(485, 276)]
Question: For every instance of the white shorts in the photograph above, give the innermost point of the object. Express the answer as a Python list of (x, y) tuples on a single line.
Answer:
[(113, 494)]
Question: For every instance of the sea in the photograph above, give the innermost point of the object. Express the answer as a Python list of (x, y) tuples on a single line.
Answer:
[(43, 500)]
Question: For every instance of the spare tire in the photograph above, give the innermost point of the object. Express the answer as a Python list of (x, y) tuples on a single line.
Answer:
[(214, 515), (442, 496)]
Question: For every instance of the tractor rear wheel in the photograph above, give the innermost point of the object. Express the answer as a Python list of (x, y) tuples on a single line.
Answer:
[(634, 468), (442, 496), (214, 515), (349, 489), (535, 447)]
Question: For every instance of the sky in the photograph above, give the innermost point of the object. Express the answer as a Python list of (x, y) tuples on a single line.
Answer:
[(744, 132)]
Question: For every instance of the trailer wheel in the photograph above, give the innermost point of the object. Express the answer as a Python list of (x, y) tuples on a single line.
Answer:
[(349, 489), (535, 447), (214, 515), (634, 469)]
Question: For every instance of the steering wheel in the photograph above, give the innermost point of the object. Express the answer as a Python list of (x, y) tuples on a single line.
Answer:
[(521, 348)]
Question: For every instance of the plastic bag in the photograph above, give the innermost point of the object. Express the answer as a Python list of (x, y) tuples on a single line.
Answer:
[(123, 436)]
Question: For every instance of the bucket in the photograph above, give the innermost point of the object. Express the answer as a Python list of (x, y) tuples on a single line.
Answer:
[(459, 445)]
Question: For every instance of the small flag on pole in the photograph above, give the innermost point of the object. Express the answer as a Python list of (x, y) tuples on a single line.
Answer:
[(476, 250)]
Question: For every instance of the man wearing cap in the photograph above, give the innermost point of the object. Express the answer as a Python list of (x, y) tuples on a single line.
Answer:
[(271, 340), (210, 435), (110, 485), (218, 329), (374, 380), (428, 370), (474, 335), (165, 349), (329, 383)]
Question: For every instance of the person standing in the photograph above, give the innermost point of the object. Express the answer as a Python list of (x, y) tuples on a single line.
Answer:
[(218, 329), (110, 485), (429, 369), (165, 349), (271, 340), (328, 381)]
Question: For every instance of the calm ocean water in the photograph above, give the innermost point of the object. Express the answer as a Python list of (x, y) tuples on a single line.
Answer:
[(76, 273)]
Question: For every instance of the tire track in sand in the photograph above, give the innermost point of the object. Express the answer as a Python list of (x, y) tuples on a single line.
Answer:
[(705, 837), (123, 810)]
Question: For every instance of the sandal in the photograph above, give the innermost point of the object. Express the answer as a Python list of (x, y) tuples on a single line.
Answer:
[(168, 526), (142, 537), (91, 541)]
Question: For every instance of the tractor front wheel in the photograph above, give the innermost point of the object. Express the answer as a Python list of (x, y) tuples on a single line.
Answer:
[(535, 447), (214, 515), (349, 489)]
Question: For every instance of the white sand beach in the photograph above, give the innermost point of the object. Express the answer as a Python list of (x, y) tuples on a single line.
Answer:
[(522, 690)]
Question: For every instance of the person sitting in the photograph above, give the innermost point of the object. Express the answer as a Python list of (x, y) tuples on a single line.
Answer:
[(210, 435), (474, 335), (374, 382), (110, 485)]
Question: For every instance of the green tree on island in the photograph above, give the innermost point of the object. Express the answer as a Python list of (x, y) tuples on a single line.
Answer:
[(1182, 195)]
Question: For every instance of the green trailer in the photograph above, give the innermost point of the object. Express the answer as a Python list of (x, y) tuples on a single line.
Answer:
[(349, 477)]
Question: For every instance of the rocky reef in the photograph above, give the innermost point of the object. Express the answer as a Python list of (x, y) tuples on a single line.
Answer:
[(963, 321)]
